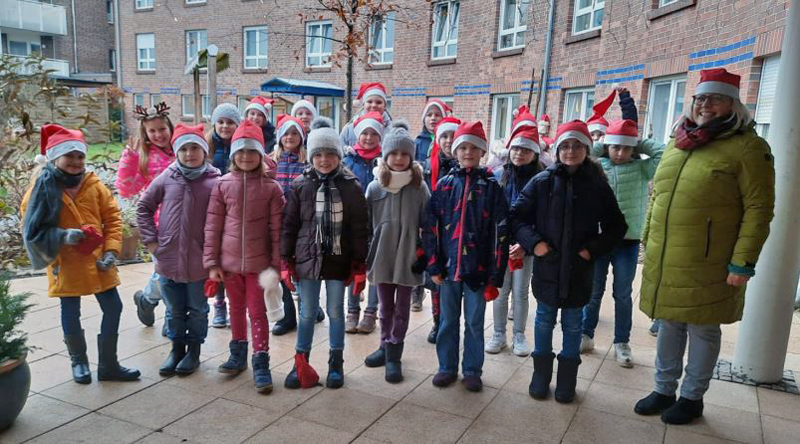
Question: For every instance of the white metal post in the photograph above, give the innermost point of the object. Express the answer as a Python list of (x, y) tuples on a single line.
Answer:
[(764, 332)]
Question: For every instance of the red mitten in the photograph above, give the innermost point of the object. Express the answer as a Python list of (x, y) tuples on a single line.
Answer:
[(91, 241), (490, 293), (358, 276), (210, 288), (288, 274), (306, 374)]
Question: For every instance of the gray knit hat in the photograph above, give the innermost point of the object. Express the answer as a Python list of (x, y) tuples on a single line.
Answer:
[(227, 111), (397, 138), (323, 137)]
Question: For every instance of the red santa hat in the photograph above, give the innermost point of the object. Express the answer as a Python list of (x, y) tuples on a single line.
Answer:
[(525, 137), (446, 125), (443, 108), (371, 89), (184, 134), (545, 119), (718, 81), (577, 129), (470, 132), (372, 119), (262, 104), (522, 117), (303, 103), (597, 122), (622, 132), (248, 136), (57, 141), (285, 122)]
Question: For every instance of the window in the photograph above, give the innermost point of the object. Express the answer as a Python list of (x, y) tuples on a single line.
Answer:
[(664, 106), (578, 104), (448, 100), (242, 102), (503, 107), (331, 108), (144, 4), (588, 15), (381, 34), (445, 29), (146, 52), (138, 100), (511, 34), (255, 47), (195, 2), (665, 2), (18, 48), (766, 94), (195, 42), (155, 99), (318, 43), (110, 11), (206, 104), (112, 60), (187, 105)]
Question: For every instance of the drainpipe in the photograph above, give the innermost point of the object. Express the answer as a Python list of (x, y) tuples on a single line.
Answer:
[(74, 38), (547, 49), (117, 44), (764, 333)]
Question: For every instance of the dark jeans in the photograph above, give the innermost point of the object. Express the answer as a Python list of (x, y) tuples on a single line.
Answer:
[(187, 316), (109, 302), (447, 342), (570, 326)]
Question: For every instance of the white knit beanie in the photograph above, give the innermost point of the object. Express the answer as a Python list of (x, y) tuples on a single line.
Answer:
[(323, 137), (227, 111)]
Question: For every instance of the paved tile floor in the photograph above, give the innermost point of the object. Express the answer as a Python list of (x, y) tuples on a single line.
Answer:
[(211, 407)]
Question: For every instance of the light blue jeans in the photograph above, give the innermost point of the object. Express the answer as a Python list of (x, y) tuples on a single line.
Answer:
[(354, 300), (152, 291), (516, 284), (309, 298), (704, 344), (623, 261)]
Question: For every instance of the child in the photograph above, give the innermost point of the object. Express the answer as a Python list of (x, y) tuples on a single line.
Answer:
[(242, 237), (373, 96), (138, 166), (547, 156), (182, 192), (306, 112), (258, 111), (523, 164), (466, 241), (72, 226), (629, 176), (556, 217), (225, 119), (396, 200), (435, 110), (362, 162), (290, 155), (438, 165), (597, 123), (324, 238)]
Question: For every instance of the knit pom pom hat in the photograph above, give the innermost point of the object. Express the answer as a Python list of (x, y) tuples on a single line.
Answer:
[(323, 137), (397, 138)]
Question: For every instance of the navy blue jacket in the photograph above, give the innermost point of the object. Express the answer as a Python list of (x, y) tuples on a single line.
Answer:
[(361, 168), (446, 164), (465, 232), (628, 107), (515, 180), (222, 153), (570, 213), (422, 144), (269, 137)]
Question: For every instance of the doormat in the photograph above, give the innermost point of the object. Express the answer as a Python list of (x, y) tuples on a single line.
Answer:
[(723, 371)]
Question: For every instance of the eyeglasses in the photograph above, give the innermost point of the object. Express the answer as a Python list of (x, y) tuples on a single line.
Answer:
[(571, 147), (712, 99)]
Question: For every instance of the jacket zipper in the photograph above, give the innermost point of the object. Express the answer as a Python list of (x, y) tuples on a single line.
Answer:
[(708, 237), (244, 216), (457, 277)]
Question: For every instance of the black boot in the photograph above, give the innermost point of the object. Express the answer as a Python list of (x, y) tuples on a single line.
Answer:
[(320, 315), (335, 370), (237, 361), (434, 330), (542, 375), (683, 412), (566, 379), (291, 381), (376, 358), (76, 346), (653, 404), (289, 321), (175, 355), (108, 368), (191, 361), (394, 369)]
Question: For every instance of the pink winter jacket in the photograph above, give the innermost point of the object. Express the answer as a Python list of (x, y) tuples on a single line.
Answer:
[(130, 180), (243, 223)]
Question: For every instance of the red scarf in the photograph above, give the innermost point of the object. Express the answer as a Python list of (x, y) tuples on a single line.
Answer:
[(688, 135), (434, 165), (366, 154)]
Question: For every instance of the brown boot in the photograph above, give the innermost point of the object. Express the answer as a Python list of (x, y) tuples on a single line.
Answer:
[(351, 322), (367, 324)]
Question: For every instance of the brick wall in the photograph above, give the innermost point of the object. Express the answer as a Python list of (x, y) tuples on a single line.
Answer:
[(95, 36), (633, 33)]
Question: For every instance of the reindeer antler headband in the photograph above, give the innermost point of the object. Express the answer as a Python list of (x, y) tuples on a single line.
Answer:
[(142, 113)]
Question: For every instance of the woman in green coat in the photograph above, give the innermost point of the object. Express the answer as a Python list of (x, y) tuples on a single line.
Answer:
[(709, 216)]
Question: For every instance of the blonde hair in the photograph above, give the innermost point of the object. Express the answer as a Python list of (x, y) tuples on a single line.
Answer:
[(278, 151), (385, 174), (142, 144), (739, 110), (232, 167)]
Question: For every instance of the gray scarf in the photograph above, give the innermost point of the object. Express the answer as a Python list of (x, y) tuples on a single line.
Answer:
[(191, 173)]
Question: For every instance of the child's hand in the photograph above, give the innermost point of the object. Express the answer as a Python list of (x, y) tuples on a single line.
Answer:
[(437, 279), (73, 236), (622, 90), (490, 293), (541, 249), (516, 252), (585, 254), (151, 247), (109, 260), (737, 280), (216, 274)]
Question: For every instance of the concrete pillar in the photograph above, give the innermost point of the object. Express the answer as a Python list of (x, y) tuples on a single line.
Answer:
[(764, 332)]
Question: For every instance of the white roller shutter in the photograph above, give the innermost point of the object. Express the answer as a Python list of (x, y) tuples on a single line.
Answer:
[(766, 89)]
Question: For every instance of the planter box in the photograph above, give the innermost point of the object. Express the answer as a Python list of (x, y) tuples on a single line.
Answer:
[(130, 244)]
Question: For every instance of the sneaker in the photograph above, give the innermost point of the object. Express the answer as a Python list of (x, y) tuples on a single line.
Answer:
[(623, 353), (519, 345), (351, 322), (653, 330), (145, 311), (417, 296), (511, 312), (367, 324), (587, 344), (497, 343)]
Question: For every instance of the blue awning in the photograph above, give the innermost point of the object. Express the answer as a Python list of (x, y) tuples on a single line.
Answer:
[(302, 87)]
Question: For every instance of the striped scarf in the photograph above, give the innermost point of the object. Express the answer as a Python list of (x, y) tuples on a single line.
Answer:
[(329, 214)]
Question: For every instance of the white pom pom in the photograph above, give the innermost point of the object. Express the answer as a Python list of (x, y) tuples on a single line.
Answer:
[(268, 278), (515, 113), (40, 159)]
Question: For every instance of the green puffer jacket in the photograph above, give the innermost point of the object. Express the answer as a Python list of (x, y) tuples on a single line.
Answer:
[(709, 214), (629, 182)]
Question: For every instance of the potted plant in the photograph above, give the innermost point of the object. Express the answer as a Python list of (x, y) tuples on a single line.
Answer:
[(15, 375), (130, 232)]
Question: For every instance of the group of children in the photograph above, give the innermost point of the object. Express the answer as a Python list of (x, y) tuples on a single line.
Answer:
[(223, 213)]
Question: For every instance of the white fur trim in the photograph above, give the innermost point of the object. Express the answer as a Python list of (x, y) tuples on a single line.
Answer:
[(303, 104), (285, 128), (428, 107), (40, 159), (257, 106), (445, 128), (368, 123), (189, 138), (374, 92), (726, 89), (525, 143), (619, 139), (523, 123), (475, 140), (246, 144), (67, 147), (273, 294), (598, 127), (574, 135)]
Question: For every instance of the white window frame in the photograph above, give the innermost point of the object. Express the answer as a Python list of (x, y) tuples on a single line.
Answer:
[(586, 110), (509, 114), (520, 24), (143, 4), (662, 3), (673, 81), (188, 99), (201, 43), (112, 60), (382, 53), (766, 95), (597, 6), (257, 57), (138, 99), (450, 32), (242, 102), (195, 2), (110, 11), (155, 99), (335, 105), (142, 63), (322, 55)]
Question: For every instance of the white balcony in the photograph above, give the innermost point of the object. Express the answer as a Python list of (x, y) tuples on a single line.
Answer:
[(33, 16), (59, 67)]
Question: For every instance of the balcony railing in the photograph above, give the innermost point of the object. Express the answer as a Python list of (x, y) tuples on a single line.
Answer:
[(33, 16), (59, 67)]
